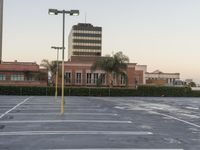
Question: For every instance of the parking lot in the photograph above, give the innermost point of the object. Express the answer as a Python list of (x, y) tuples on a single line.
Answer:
[(100, 123)]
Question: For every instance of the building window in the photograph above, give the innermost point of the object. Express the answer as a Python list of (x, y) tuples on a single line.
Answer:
[(89, 78), (17, 77), (95, 75), (78, 78), (68, 77), (2, 77), (122, 79), (103, 78), (114, 81)]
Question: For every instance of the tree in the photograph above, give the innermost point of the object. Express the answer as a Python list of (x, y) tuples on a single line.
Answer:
[(51, 66), (113, 65)]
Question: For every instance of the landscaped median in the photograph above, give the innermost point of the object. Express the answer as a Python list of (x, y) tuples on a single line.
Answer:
[(157, 91)]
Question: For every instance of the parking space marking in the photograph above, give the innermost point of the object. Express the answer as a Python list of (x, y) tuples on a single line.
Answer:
[(54, 107), (74, 109), (74, 121), (181, 120), (15, 107), (114, 149), (89, 114), (75, 133)]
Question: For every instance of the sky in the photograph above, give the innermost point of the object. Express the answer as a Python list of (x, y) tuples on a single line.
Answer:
[(162, 34)]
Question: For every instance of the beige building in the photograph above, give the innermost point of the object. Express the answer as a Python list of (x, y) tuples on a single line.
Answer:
[(159, 78), (85, 40)]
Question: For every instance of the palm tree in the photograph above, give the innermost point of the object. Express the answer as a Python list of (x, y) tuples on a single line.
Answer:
[(113, 65), (51, 66)]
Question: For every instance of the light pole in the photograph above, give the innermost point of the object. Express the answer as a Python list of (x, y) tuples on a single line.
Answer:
[(56, 87), (71, 13)]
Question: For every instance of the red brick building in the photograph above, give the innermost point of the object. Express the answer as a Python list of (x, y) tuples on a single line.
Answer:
[(78, 73), (22, 74)]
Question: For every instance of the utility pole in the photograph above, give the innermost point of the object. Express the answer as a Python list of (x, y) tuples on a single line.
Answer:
[(1, 28)]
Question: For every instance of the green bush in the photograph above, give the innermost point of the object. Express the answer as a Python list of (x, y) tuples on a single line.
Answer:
[(85, 91), (123, 92), (164, 91), (194, 94)]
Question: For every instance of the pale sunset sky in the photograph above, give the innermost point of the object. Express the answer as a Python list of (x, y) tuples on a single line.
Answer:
[(162, 34)]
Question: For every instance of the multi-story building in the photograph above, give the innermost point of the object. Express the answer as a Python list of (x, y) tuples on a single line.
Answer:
[(85, 40), (22, 74), (159, 78)]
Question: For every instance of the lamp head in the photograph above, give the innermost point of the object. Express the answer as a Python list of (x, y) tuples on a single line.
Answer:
[(74, 12), (53, 12)]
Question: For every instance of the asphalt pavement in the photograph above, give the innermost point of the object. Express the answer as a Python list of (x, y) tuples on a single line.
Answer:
[(99, 123)]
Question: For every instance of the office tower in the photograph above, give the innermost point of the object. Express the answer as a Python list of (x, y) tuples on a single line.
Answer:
[(85, 40), (1, 28)]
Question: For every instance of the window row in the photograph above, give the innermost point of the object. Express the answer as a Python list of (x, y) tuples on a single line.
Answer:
[(13, 77), (87, 44), (86, 38), (91, 78), (86, 47), (86, 50), (86, 41), (87, 31), (94, 78), (86, 35)]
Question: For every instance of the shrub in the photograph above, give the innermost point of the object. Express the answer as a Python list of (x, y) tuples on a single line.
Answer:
[(85, 91)]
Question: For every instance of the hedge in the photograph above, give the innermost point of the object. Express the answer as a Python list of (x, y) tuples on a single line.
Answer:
[(164, 91), (86, 91)]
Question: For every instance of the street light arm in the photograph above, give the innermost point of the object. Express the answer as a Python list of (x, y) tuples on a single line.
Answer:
[(55, 47), (56, 12)]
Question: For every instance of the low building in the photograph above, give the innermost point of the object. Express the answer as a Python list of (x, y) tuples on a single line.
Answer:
[(78, 73), (22, 74), (159, 78)]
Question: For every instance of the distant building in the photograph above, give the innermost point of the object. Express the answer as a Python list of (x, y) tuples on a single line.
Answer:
[(85, 40), (159, 78), (188, 81), (179, 83), (78, 73), (22, 74)]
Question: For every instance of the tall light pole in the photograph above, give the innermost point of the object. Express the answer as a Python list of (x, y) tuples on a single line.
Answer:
[(56, 87), (1, 28), (71, 13)]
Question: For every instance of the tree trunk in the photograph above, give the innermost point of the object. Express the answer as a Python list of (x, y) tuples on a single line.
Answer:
[(110, 79)]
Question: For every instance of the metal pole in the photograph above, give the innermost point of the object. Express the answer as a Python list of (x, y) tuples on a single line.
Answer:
[(63, 52), (56, 91), (1, 28)]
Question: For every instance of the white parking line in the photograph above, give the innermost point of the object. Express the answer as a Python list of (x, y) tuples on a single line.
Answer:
[(75, 133), (54, 107), (73, 121), (57, 109), (186, 122), (114, 149), (15, 107), (89, 114)]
